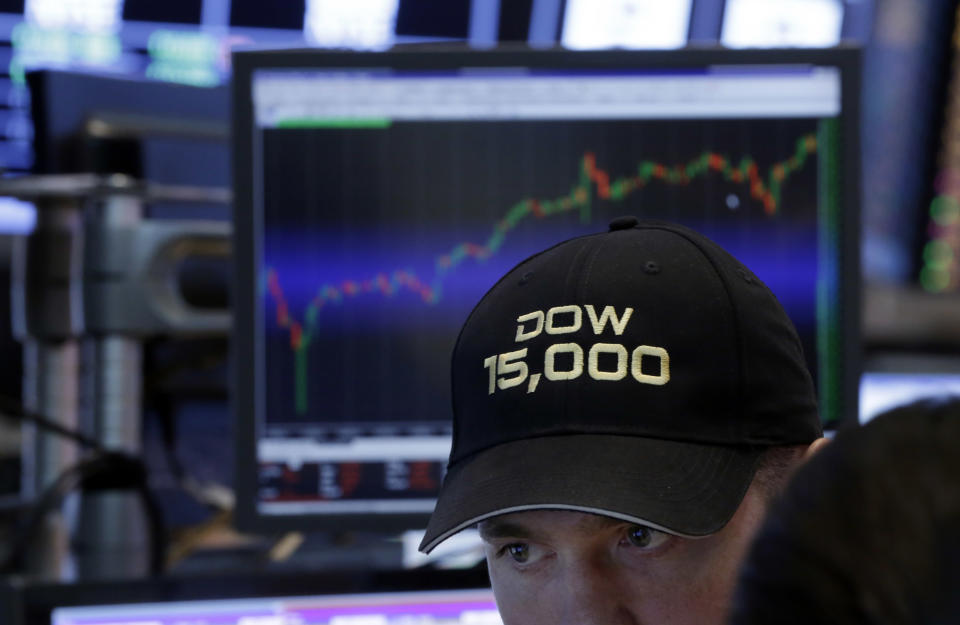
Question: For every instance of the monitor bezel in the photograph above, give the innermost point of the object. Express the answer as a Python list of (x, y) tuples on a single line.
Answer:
[(246, 263), (31, 602)]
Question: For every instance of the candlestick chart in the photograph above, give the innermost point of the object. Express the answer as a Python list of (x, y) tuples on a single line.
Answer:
[(380, 241)]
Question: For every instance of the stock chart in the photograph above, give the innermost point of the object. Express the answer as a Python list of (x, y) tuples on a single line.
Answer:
[(380, 236)]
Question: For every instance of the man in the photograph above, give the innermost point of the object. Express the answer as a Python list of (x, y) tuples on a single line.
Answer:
[(613, 398), (867, 532)]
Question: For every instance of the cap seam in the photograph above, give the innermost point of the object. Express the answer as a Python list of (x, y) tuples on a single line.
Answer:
[(733, 307), (473, 311), (590, 252)]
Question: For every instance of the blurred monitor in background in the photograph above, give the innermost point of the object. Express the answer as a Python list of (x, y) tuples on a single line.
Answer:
[(266, 597), (16, 217), (117, 56), (911, 208), (885, 390), (939, 242), (781, 23), (905, 89), (189, 42), (365, 24), (591, 24), (451, 607), (95, 16)]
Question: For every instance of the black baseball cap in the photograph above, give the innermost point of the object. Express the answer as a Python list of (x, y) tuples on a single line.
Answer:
[(638, 374)]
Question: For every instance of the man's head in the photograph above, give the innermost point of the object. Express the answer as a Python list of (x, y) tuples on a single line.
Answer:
[(615, 394), (553, 567)]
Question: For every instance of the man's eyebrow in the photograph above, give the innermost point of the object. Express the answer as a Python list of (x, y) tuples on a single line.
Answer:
[(494, 528)]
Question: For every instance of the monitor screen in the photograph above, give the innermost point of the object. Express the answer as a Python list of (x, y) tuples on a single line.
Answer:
[(449, 607), (385, 597), (802, 23), (937, 257), (885, 390), (378, 197), (625, 24)]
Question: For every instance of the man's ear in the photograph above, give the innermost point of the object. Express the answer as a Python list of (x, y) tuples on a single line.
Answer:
[(814, 447)]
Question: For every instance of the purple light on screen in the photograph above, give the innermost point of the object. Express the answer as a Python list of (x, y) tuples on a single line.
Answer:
[(307, 610)]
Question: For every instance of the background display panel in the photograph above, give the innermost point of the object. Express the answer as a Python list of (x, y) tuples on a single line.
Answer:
[(755, 23), (644, 24), (254, 595), (386, 202), (455, 607)]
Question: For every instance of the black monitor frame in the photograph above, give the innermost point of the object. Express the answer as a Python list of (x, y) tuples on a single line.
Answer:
[(843, 399), (24, 602)]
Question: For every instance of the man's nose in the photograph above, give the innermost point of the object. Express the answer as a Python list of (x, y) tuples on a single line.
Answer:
[(594, 594)]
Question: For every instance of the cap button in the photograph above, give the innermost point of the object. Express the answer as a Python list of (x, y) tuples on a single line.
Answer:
[(624, 223)]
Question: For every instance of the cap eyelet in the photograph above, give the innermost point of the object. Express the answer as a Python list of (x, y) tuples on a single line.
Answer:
[(651, 267), (525, 278)]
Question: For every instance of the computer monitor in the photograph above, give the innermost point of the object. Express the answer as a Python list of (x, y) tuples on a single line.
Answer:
[(937, 253), (180, 130), (387, 597), (439, 608), (885, 390), (379, 195), (801, 23), (639, 24)]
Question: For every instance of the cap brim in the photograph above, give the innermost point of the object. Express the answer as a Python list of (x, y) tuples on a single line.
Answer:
[(684, 488)]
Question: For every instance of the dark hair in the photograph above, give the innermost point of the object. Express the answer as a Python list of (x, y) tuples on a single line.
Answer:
[(867, 532), (775, 467)]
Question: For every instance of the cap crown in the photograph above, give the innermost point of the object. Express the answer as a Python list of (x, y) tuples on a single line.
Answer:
[(649, 330)]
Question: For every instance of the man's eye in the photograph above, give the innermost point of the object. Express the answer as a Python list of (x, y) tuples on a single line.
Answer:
[(644, 537), (520, 552)]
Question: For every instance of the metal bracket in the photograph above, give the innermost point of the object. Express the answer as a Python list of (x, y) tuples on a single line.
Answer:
[(127, 281)]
